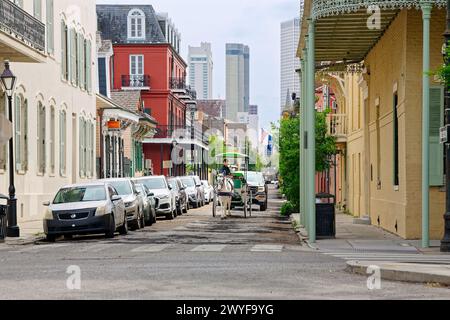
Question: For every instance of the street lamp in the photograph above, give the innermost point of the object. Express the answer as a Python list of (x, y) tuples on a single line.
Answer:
[(8, 82), (445, 243)]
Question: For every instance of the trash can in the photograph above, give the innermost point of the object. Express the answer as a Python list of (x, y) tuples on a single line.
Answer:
[(325, 216), (3, 221)]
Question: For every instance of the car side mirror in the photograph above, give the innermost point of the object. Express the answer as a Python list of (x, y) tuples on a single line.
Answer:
[(170, 187), (115, 198), (46, 204), (151, 194), (268, 182)]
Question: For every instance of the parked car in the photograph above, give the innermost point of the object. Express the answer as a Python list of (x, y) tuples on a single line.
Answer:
[(164, 196), (181, 195), (149, 204), (200, 186), (259, 188), (193, 191), (85, 209), (134, 204), (209, 191)]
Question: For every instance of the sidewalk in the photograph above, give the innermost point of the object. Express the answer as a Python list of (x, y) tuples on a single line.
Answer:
[(30, 231), (362, 246)]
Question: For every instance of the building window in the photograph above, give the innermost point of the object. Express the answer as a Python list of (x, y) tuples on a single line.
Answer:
[(52, 139), (21, 133), (136, 65), (136, 24), (41, 138), (396, 145), (62, 142), (73, 56), (50, 28)]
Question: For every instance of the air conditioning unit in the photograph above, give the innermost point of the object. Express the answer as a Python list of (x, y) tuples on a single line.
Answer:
[(148, 164)]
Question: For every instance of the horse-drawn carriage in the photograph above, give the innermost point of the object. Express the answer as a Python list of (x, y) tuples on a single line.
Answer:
[(234, 191)]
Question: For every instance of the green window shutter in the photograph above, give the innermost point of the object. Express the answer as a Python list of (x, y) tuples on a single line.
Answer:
[(37, 5), (63, 50), (73, 56), (50, 27), (88, 66), (79, 54), (436, 148), (18, 135)]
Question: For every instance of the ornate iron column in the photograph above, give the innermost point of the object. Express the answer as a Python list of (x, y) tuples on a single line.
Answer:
[(426, 10)]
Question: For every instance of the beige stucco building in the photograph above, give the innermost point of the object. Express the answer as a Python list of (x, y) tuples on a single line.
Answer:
[(377, 77), (54, 102)]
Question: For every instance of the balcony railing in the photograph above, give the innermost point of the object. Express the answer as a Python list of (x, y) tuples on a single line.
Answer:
[(22, 25), (180, 84), (136, 81), (182, 132), (337, 125)]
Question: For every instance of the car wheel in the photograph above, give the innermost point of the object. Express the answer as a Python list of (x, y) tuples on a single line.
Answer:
[(170, 216), (51, 237), (186, 207), (123, 230), (263, 207), (142, 220), (154, 216), (109, 234)]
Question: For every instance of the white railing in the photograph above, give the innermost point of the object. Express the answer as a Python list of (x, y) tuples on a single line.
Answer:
[(337, 125)]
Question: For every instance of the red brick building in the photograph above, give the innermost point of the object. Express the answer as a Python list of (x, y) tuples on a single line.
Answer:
[(146, 58)]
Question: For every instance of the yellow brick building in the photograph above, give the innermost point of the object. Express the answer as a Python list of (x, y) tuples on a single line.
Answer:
[(379, 109)]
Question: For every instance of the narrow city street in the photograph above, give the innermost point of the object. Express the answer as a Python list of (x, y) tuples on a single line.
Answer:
[(195, 256)]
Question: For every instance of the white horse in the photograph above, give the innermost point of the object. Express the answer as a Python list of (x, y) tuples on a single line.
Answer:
[(225, 191)]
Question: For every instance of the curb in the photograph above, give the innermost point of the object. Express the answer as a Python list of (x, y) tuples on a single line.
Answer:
[(404, 272), (22, 242)]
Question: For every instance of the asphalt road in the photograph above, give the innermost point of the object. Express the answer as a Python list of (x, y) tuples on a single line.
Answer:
[(194, 257)]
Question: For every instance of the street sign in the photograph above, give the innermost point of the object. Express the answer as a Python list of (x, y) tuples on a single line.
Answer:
[(443, 134), (167, 164), (5, 129)]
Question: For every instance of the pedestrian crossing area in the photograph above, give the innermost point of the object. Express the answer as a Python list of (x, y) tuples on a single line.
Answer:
[(390, 257), (99, 248)]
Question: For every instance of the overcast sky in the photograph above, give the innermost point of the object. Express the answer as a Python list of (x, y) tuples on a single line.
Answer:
[(252, 22)]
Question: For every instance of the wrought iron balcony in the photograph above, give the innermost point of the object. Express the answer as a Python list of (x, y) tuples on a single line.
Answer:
[(178, 83), (182, 132), (136, 81), (18, 23)]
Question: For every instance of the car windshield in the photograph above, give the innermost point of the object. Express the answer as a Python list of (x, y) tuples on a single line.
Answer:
[(174, 184), (80, 194), (157, 183), (189, 182), (141, 189), (123, 187), (255, 178)]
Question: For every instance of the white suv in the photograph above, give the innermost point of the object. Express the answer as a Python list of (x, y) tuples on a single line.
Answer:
[(165, 198)]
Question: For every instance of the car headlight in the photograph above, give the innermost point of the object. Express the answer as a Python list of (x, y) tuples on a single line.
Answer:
[(101, 211), (164, 197), (48, 214), (130, 204), (261, 189)]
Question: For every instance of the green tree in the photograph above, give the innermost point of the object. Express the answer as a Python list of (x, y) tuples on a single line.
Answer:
[(289, 143)]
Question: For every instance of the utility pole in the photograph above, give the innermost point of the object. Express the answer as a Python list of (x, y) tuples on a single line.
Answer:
[(445, 243)]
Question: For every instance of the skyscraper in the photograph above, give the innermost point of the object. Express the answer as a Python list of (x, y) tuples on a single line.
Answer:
[(290, 81), (200, 70), (238, 79)]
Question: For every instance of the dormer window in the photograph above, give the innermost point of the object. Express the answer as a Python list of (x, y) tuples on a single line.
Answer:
[(136, 25)]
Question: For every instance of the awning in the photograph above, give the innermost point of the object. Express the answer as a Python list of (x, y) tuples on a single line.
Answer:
[(114, 111), (342, 30)]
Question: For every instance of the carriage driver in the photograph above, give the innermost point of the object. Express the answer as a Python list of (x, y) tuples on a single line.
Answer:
[(225, 169)]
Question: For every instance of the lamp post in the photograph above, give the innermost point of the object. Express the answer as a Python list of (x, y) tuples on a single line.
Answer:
[(445, 243), (8, 82)]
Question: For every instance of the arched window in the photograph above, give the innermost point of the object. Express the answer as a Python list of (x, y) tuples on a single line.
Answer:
[(136, 24), (52, 139)]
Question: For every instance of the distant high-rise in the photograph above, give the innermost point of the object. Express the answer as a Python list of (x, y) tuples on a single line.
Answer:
[(290, 81), (201, 70), (238, 79)]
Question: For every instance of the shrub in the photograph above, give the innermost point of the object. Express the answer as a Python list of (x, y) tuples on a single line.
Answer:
[(287, 209)]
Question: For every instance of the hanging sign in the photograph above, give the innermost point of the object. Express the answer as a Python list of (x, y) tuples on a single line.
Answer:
[(113, 125)]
